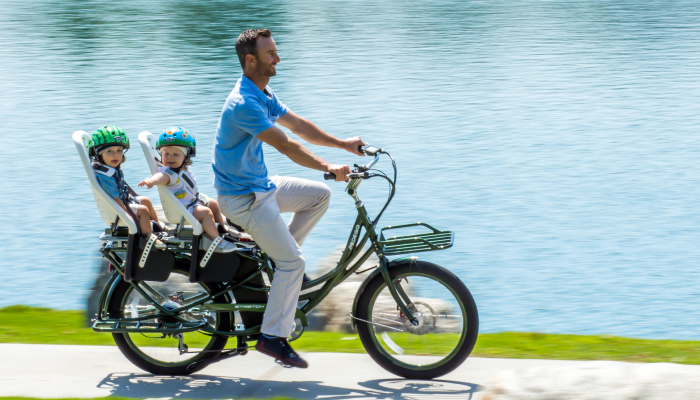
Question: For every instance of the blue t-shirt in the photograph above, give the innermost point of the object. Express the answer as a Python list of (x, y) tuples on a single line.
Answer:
[(238, 162), (109, 184)]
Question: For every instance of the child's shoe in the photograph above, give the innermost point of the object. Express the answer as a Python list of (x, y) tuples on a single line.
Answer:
[(223, 247), (159, 245)]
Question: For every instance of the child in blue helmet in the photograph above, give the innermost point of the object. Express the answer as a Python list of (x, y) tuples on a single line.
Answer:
[(177, 147)]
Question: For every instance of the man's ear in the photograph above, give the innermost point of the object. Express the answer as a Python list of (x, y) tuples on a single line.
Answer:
[(250, 58)]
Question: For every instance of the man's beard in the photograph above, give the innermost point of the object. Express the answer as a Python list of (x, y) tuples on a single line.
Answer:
[(266, 71)]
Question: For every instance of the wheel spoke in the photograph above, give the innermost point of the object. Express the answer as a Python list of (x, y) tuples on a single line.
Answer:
[(163, 350), (388, 320)]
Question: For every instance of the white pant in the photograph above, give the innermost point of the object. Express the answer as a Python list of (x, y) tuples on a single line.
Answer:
[(258, 214)]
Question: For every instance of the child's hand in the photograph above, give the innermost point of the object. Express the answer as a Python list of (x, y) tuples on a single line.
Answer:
[(146, 182)]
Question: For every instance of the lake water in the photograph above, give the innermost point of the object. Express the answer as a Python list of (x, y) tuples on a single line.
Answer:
[(558, 139)]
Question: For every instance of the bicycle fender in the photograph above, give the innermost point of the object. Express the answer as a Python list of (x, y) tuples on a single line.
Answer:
[(372, 275), (107, 293)]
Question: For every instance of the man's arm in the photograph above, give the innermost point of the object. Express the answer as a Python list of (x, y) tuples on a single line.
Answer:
[(314, 135), (276, 138)]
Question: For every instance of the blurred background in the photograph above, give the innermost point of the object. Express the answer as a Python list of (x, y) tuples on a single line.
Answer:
[(558, 140)]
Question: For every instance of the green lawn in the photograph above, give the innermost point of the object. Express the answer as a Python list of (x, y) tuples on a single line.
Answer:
[(20, 324)]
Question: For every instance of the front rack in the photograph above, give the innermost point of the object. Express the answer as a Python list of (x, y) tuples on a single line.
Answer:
[(436, 240)]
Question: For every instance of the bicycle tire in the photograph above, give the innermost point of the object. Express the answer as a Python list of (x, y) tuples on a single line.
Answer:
[(398, 364), (141, 359)]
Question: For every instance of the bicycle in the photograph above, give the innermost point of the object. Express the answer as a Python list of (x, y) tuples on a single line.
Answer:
[(415, 319)]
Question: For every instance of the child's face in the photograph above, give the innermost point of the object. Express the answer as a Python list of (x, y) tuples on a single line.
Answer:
[(113, 156), (172, 157)]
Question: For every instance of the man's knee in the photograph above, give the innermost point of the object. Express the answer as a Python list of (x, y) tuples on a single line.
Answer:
[(297, 264), (324, 194)]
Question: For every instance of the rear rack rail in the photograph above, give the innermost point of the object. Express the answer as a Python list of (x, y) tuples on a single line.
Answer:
[(145, 327)]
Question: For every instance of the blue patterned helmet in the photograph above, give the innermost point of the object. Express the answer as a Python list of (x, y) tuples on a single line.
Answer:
[(177, 136)]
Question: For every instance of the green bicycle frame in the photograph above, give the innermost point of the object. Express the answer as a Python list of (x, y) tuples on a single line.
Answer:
[(355, 247)]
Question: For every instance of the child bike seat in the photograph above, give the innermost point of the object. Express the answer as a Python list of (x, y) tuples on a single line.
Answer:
[(174, 211), (141, 263), (206, 265), (108, 207)]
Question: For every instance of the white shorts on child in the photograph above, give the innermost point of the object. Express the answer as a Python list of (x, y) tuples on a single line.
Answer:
[(135, 206), (202, 200)]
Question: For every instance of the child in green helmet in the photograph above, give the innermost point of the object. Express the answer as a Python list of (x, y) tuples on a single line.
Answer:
[(177, 147), (107, 147)]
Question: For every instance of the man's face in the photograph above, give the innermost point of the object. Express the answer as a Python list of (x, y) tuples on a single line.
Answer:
[(267, 57)]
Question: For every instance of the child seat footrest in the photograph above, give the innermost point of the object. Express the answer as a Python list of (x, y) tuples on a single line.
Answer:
[(210, 251), (435, 240), (144, 263), (211, 266)]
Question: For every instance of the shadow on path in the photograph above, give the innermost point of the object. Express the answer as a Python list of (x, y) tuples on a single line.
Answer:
[(220, 387)]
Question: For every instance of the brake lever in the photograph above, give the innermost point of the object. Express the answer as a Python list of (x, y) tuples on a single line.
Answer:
[(358, 174), (360, 168)]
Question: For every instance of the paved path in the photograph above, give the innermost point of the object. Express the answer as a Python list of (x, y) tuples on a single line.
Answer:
[(97, 371)]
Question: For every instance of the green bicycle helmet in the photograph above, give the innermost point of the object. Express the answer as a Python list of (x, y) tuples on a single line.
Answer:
[(107, 136), (177, 136)]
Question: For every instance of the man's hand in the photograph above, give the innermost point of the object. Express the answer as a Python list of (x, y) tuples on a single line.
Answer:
[(341, 172), (352, 145)]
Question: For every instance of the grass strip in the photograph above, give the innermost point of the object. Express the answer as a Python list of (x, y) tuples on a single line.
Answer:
[(21, 324)]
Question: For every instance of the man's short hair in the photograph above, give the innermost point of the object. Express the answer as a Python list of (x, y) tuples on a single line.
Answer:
[(245, 44)]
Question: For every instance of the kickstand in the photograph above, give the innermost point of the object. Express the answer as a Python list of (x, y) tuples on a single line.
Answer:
[(181, 346)]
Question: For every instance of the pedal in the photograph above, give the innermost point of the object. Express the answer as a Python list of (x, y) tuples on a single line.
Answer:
[(278, 361)]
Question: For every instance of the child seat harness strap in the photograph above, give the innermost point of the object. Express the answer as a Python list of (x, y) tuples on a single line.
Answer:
[(190, 185), (125, 192)]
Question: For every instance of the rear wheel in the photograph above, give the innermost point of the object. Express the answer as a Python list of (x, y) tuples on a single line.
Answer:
[(159, 354), (447, 327)]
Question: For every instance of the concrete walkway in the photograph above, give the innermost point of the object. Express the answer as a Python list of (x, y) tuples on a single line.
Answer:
[(53, 371)]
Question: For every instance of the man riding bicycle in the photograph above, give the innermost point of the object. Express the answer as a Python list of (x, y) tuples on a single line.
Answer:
[(254, 201)]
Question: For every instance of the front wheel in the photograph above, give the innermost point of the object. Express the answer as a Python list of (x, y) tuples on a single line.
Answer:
[(447, 327)]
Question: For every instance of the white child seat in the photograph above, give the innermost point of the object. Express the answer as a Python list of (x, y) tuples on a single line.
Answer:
[(174, 211), (109, 209)]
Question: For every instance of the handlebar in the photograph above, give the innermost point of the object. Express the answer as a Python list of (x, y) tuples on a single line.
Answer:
[(362, 172), (359, 172)]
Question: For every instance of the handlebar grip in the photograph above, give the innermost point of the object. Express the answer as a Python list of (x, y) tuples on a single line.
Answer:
[(329, 176)]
